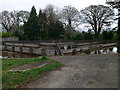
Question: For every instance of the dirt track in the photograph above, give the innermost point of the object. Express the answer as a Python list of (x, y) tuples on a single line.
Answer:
[(88, 71)]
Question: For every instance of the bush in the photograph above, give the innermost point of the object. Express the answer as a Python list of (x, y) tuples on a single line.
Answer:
[(107, 35), (20, 35), (5, 35), (43, 58), (87, 51)]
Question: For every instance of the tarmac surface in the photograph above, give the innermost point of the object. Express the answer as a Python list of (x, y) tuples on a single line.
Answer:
[(82, 71)]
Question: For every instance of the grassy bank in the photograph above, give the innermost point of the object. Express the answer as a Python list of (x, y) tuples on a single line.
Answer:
[(15, 79)]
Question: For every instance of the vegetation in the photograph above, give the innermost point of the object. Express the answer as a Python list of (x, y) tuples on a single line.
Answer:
[(15, 79), (32, 26), (11, 20), (43, 58), (98, 17), (53, 24), (87, 51), (11, 63), (5, 35), (107, 35)]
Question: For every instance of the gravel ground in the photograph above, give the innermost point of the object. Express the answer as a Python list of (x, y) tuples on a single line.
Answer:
[(87, 71)]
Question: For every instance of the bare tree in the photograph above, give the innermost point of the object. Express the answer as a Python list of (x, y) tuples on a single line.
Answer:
[(51, 12), (13, 19), (70, 16), (98, 17), (7, 20), (23, 15)]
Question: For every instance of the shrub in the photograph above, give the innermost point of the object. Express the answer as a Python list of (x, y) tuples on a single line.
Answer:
[(5, 34), (43, 58), (87, 51)]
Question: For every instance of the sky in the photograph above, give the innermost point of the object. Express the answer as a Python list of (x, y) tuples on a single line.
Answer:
[(26, 5)]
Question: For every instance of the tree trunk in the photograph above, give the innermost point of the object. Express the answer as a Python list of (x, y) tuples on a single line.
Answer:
[(118, 32), (5, 27), (69, 22)]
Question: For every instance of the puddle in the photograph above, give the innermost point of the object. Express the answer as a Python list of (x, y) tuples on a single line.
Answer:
[(8, 54), (110, 50)]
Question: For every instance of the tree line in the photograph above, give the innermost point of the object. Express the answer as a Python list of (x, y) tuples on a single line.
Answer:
[(52, 24)]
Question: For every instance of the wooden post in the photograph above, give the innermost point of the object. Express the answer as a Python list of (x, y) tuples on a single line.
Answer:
[(59, 50)]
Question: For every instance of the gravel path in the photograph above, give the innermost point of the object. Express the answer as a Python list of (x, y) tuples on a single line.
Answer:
[(28, 66), (88, 71)]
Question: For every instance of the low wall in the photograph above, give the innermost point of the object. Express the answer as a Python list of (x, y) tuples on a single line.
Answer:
[(28, 50), (9, 39)]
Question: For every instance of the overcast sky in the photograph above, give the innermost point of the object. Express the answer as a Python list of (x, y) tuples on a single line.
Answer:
[(26, 5)]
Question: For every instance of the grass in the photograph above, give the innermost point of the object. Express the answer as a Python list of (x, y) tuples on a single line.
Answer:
[(11, 63), (15, 79)]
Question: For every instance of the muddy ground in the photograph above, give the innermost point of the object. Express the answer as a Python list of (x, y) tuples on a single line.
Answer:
[(87, 71)]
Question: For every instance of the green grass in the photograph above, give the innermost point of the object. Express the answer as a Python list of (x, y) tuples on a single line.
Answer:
[(15, 79), (10, 63)]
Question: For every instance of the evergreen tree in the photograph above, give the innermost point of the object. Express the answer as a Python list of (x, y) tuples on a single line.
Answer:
[(51, 27), (31, 27), (56, 30), (43, 25)]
